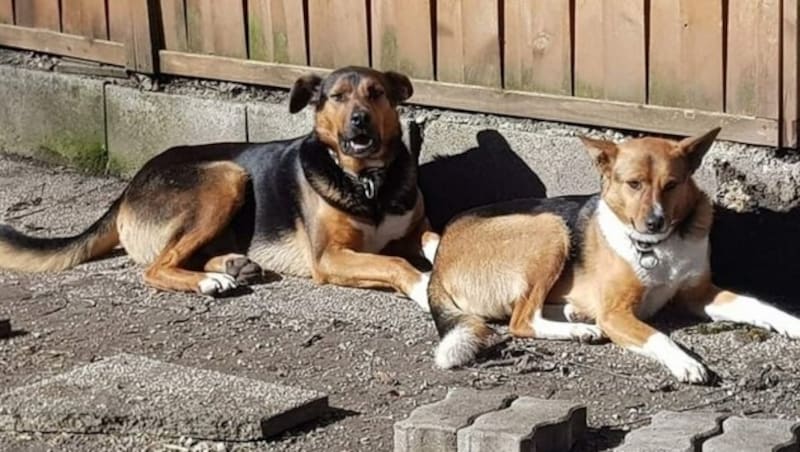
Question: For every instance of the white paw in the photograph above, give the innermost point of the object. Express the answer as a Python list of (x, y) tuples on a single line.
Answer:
[(584, 332), (216, 283), (419, 292), (787, 327), (429, 249), (688, 370)]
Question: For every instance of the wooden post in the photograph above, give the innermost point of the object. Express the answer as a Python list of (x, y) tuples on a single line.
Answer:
[(135, 23), (789, 87)]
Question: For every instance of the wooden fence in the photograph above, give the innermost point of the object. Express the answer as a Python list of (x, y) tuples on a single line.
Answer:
[(671, 66)]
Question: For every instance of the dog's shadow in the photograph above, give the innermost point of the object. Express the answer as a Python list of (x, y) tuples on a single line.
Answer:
[(489, 173)]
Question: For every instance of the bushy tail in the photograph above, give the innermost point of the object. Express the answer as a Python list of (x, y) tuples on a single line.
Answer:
[(462, 335), (22, 252)]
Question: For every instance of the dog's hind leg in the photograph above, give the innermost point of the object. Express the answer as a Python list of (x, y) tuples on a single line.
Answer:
[(214, 201)]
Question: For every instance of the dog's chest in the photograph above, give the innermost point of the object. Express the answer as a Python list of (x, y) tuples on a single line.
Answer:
[(677, 261), (376, 237)]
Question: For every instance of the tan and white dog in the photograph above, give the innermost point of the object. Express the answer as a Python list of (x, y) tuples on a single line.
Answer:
[(614, 258)]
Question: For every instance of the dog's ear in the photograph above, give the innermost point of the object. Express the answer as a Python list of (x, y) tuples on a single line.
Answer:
[(695, 148), (399, 87), (602, 152), (304, 91)]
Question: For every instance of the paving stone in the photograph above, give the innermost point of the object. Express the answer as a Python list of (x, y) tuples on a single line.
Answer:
[(527, 425), (5, 328), (433, 427), (142, 124), (128, 394), (755, 435), (55, 117), (670, 431)]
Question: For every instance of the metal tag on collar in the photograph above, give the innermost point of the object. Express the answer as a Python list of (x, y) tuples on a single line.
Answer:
[(369, 186), (648, 260)]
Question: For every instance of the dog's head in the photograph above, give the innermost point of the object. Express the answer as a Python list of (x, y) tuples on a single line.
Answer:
[(647, 182), (355, 112)]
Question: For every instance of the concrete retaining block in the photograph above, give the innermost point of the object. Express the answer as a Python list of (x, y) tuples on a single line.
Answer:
[(142, 124), (269, 122), (671, 431), (54, 117), (755, 435), (128, 394), (527, 425), (433, 427)]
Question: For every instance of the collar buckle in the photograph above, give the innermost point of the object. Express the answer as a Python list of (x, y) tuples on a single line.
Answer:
[(368, 185)]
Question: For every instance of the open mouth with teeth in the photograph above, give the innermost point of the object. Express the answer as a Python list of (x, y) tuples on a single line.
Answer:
[(359, 145)]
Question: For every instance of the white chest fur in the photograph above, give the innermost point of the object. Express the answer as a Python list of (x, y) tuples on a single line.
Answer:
[(677, 260), (393, 227)]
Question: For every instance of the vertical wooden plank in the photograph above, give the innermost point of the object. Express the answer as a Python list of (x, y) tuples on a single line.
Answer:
[(753, 58), (173, 18), (468, 42), (791, 77), (401, 37), (276, 31), (85, 18), (686, 54), (338, 33), (6, 12), (537, 49), (610, 50), (132, 22), (216, 28), (38, 14)]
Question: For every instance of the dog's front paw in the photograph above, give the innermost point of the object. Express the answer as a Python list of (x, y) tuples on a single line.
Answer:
[(688, 370), (216, 283), (584, 332), (419, 292)]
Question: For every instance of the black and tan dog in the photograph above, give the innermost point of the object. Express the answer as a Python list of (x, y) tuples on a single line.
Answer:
[(615, 258), (324, 205)]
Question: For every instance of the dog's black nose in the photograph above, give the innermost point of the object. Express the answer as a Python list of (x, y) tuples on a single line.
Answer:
[(359, 119), (654, 222)]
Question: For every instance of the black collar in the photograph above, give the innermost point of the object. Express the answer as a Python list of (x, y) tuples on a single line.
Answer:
[(369, 181)]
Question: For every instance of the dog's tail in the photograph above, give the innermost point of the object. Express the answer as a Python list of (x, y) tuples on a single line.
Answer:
[(462, 335), (22, 252)]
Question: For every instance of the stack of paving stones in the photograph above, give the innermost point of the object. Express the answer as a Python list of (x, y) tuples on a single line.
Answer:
[(128, 394), (472, 421), (5, 328), (712, 432)]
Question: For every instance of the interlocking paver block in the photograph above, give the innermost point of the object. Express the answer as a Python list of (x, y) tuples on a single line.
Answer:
[(5, 328), (129, 394), (527, 425), (433, 427), (755, 435), (670, 431)]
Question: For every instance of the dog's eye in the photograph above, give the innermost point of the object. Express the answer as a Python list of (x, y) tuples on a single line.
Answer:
[(634, 184), (375, 94), (338, 97), (670, 185)]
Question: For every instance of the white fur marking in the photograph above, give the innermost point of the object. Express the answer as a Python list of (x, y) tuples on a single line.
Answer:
[(393, 227), (678, 261), (458, 347), (563, 331), (744, 309), (419, 292), (216, 283), (685, 368), (429, 249)]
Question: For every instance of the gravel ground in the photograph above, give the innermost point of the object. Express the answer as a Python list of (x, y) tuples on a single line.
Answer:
[(369, 350)]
